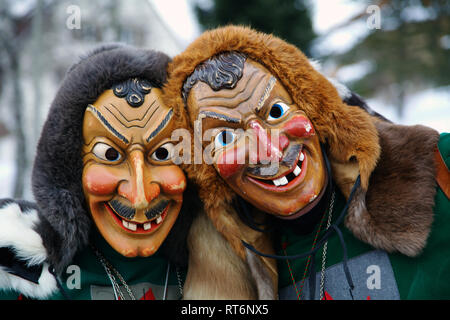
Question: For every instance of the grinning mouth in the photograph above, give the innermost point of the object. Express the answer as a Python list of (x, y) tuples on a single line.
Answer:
[(288, 179), (140, 228)]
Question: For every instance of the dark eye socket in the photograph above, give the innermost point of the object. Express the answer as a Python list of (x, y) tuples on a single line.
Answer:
[(277, 111), (112, 154), (105, 152), (223, 138), (226, 137), (163, 153)]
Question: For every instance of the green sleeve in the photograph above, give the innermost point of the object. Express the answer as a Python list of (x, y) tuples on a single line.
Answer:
[(9, 295), (444, 148)]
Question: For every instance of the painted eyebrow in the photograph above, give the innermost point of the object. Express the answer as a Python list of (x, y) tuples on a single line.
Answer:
[(161, 125), (108, 126), (218, 116), (266, 93)]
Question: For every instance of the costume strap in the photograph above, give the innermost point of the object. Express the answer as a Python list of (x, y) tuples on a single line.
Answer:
[(442, 173)]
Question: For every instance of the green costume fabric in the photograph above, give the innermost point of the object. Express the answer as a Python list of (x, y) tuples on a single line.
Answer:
[(376, 274), (86, 279)]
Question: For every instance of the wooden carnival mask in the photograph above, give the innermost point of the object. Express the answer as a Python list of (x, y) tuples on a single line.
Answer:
[(133, 190), (285, 173)]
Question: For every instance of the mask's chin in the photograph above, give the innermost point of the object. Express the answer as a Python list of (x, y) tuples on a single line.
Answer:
[(305, 209)]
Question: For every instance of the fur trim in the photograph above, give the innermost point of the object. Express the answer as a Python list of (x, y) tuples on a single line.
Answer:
[(396, 212), (45, 288), (17, 232), (212, 259), (56, 177), (215, 271), (17, 222)]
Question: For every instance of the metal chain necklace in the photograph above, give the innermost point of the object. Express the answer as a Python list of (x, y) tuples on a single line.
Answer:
[(324, 254), (110, 271), (180, 283), (118, 294)]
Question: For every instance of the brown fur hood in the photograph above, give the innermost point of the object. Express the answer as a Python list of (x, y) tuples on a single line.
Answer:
[(392, 208)]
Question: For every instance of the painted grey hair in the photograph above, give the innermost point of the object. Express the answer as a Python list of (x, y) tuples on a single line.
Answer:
[(221, 71)]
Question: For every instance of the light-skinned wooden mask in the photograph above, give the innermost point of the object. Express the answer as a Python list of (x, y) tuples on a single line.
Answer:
[(133, 190)]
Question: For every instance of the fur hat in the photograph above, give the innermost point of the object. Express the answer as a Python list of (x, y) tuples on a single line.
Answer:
[(56, 178)]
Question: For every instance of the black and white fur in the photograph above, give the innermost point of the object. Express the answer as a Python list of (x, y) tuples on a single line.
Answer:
[(18, 220)]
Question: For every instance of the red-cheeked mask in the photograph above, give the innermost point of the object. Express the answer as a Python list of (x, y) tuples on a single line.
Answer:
[(264, 146), (133, 190)]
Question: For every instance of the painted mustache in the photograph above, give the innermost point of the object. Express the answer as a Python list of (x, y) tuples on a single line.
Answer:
[(272, 169), (128, 213)]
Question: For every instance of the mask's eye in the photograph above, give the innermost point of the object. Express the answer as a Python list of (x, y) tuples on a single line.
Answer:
[(224, 138), (163, 153), (277, 111), (106, 152)]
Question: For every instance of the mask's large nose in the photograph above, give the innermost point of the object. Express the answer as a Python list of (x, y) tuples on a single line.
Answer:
[(270, 144), (137, 187)]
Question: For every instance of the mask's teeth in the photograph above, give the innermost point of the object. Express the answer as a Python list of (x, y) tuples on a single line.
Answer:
[(159, 220), (302, 157), (297, 170), (147, 225), (129, 225), (281, 181)]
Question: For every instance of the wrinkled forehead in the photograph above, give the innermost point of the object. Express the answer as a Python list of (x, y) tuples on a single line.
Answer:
[(248, 95), (121, 118)]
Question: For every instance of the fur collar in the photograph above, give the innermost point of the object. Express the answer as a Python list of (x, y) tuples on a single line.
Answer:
[(29, 274), (396, 212)]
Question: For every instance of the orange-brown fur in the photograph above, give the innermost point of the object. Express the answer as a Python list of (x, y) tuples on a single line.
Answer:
[(211, 261)]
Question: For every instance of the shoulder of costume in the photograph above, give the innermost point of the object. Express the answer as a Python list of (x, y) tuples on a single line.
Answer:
[(23, 266)]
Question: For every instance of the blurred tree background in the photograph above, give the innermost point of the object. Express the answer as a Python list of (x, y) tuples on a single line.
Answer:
[(410, 52), (39, 40), (287, 19)]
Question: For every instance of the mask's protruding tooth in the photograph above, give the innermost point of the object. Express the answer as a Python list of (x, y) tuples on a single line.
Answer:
[(159, 220), (302, 156), (281, 181), (284, 181), (297, 170), (129, 225), (147, 225), (132, 226)]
